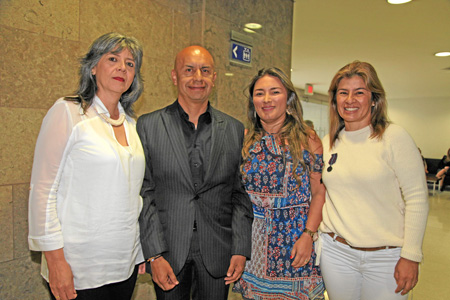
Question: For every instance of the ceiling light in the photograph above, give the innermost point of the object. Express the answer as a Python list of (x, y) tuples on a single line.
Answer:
[(442, 54), (398, 1), (249, 30), (253, 26)]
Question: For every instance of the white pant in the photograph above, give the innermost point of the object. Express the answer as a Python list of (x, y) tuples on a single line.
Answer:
[(351, 274)]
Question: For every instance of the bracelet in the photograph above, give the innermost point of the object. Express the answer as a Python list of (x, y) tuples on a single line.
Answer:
[(153, 258)]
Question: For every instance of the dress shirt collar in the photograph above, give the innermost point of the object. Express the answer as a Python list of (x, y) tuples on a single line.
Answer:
[(101, 108), (185, 116)]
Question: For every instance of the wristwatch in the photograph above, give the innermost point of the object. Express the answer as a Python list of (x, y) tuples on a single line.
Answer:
[(312, 234)]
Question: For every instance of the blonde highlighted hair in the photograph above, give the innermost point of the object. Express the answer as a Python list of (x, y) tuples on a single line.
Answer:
[(294, 131), (379, 119)]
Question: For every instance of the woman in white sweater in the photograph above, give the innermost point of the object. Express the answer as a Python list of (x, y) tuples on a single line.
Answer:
[(376, 206)]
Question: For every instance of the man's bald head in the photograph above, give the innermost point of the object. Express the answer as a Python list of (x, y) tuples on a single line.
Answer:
[(193, 51), (194, 74)]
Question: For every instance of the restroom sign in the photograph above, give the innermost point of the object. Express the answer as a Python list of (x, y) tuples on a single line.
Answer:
[(240, 54)]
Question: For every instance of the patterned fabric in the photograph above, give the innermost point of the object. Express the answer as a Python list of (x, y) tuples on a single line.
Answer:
[(280, 208)]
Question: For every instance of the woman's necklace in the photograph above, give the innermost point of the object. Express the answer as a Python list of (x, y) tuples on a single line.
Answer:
[(113, 122)]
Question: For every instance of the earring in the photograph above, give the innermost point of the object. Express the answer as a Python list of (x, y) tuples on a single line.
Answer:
[(291, 98), (254, 114)]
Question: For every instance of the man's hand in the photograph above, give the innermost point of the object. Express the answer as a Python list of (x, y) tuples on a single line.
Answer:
[(406, 275), (60, 275), (301, 252), (163, 275), (236, 268)]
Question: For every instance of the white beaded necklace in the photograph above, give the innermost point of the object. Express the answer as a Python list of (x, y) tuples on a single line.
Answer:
[(113, 122)]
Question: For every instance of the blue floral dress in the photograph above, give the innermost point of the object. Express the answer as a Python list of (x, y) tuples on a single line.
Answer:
[(280, 208)]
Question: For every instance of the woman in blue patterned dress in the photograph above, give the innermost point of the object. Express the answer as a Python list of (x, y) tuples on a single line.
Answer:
[(287, 205)]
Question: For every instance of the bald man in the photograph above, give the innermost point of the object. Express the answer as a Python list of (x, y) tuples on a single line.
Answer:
[(197, 218)]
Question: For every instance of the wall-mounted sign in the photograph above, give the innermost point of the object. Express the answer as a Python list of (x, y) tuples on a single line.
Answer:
[(241, 49), (240, 54)]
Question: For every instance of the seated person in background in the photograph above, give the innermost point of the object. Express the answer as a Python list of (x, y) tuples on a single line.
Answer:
[(424, 162), (443, 168)]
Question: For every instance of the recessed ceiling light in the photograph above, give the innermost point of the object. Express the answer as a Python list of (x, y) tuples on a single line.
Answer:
[(253, 26), (398, 1), (249, 30), (442, 54)]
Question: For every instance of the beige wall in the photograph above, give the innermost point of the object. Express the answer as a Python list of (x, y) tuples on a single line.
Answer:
[(426, 120), (41, 44)]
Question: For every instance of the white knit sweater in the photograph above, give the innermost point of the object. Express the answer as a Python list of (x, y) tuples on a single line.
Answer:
[(376, 191)]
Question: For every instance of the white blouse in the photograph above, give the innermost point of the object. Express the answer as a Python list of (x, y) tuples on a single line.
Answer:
[(84, 194)]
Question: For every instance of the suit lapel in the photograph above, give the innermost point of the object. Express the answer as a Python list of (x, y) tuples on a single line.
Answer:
[(175, 134), (217, 140)]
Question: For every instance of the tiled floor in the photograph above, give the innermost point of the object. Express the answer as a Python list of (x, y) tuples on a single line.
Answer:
[(435, 271)]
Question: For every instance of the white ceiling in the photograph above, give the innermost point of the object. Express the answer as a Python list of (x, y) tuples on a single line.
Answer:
[(398, 40)]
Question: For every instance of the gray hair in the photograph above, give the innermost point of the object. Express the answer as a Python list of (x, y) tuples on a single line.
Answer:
[(115, 43)]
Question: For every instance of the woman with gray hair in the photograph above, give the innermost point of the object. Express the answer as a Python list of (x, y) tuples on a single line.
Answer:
[(87, 173), (282, 166), (376, 205)]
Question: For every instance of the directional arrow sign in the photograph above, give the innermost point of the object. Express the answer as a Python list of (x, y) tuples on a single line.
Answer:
[(240, 54)]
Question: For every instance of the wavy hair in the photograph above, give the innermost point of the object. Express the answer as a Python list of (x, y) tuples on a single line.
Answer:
[(294, 131), (111, 42), (379, 119)]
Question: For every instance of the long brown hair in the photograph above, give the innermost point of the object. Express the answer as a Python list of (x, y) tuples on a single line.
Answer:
[(379, 119), (294, 131)]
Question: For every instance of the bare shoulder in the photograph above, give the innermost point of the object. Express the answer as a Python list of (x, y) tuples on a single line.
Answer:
[(315, 144)]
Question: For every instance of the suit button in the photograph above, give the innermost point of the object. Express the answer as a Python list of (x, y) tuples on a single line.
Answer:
[(195, 184), (197, 197)]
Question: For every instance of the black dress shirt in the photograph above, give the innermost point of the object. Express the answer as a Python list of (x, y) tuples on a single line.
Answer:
[(198, 143)]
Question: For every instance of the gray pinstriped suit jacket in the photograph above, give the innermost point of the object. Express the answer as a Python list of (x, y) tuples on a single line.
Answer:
[(171, 202)]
